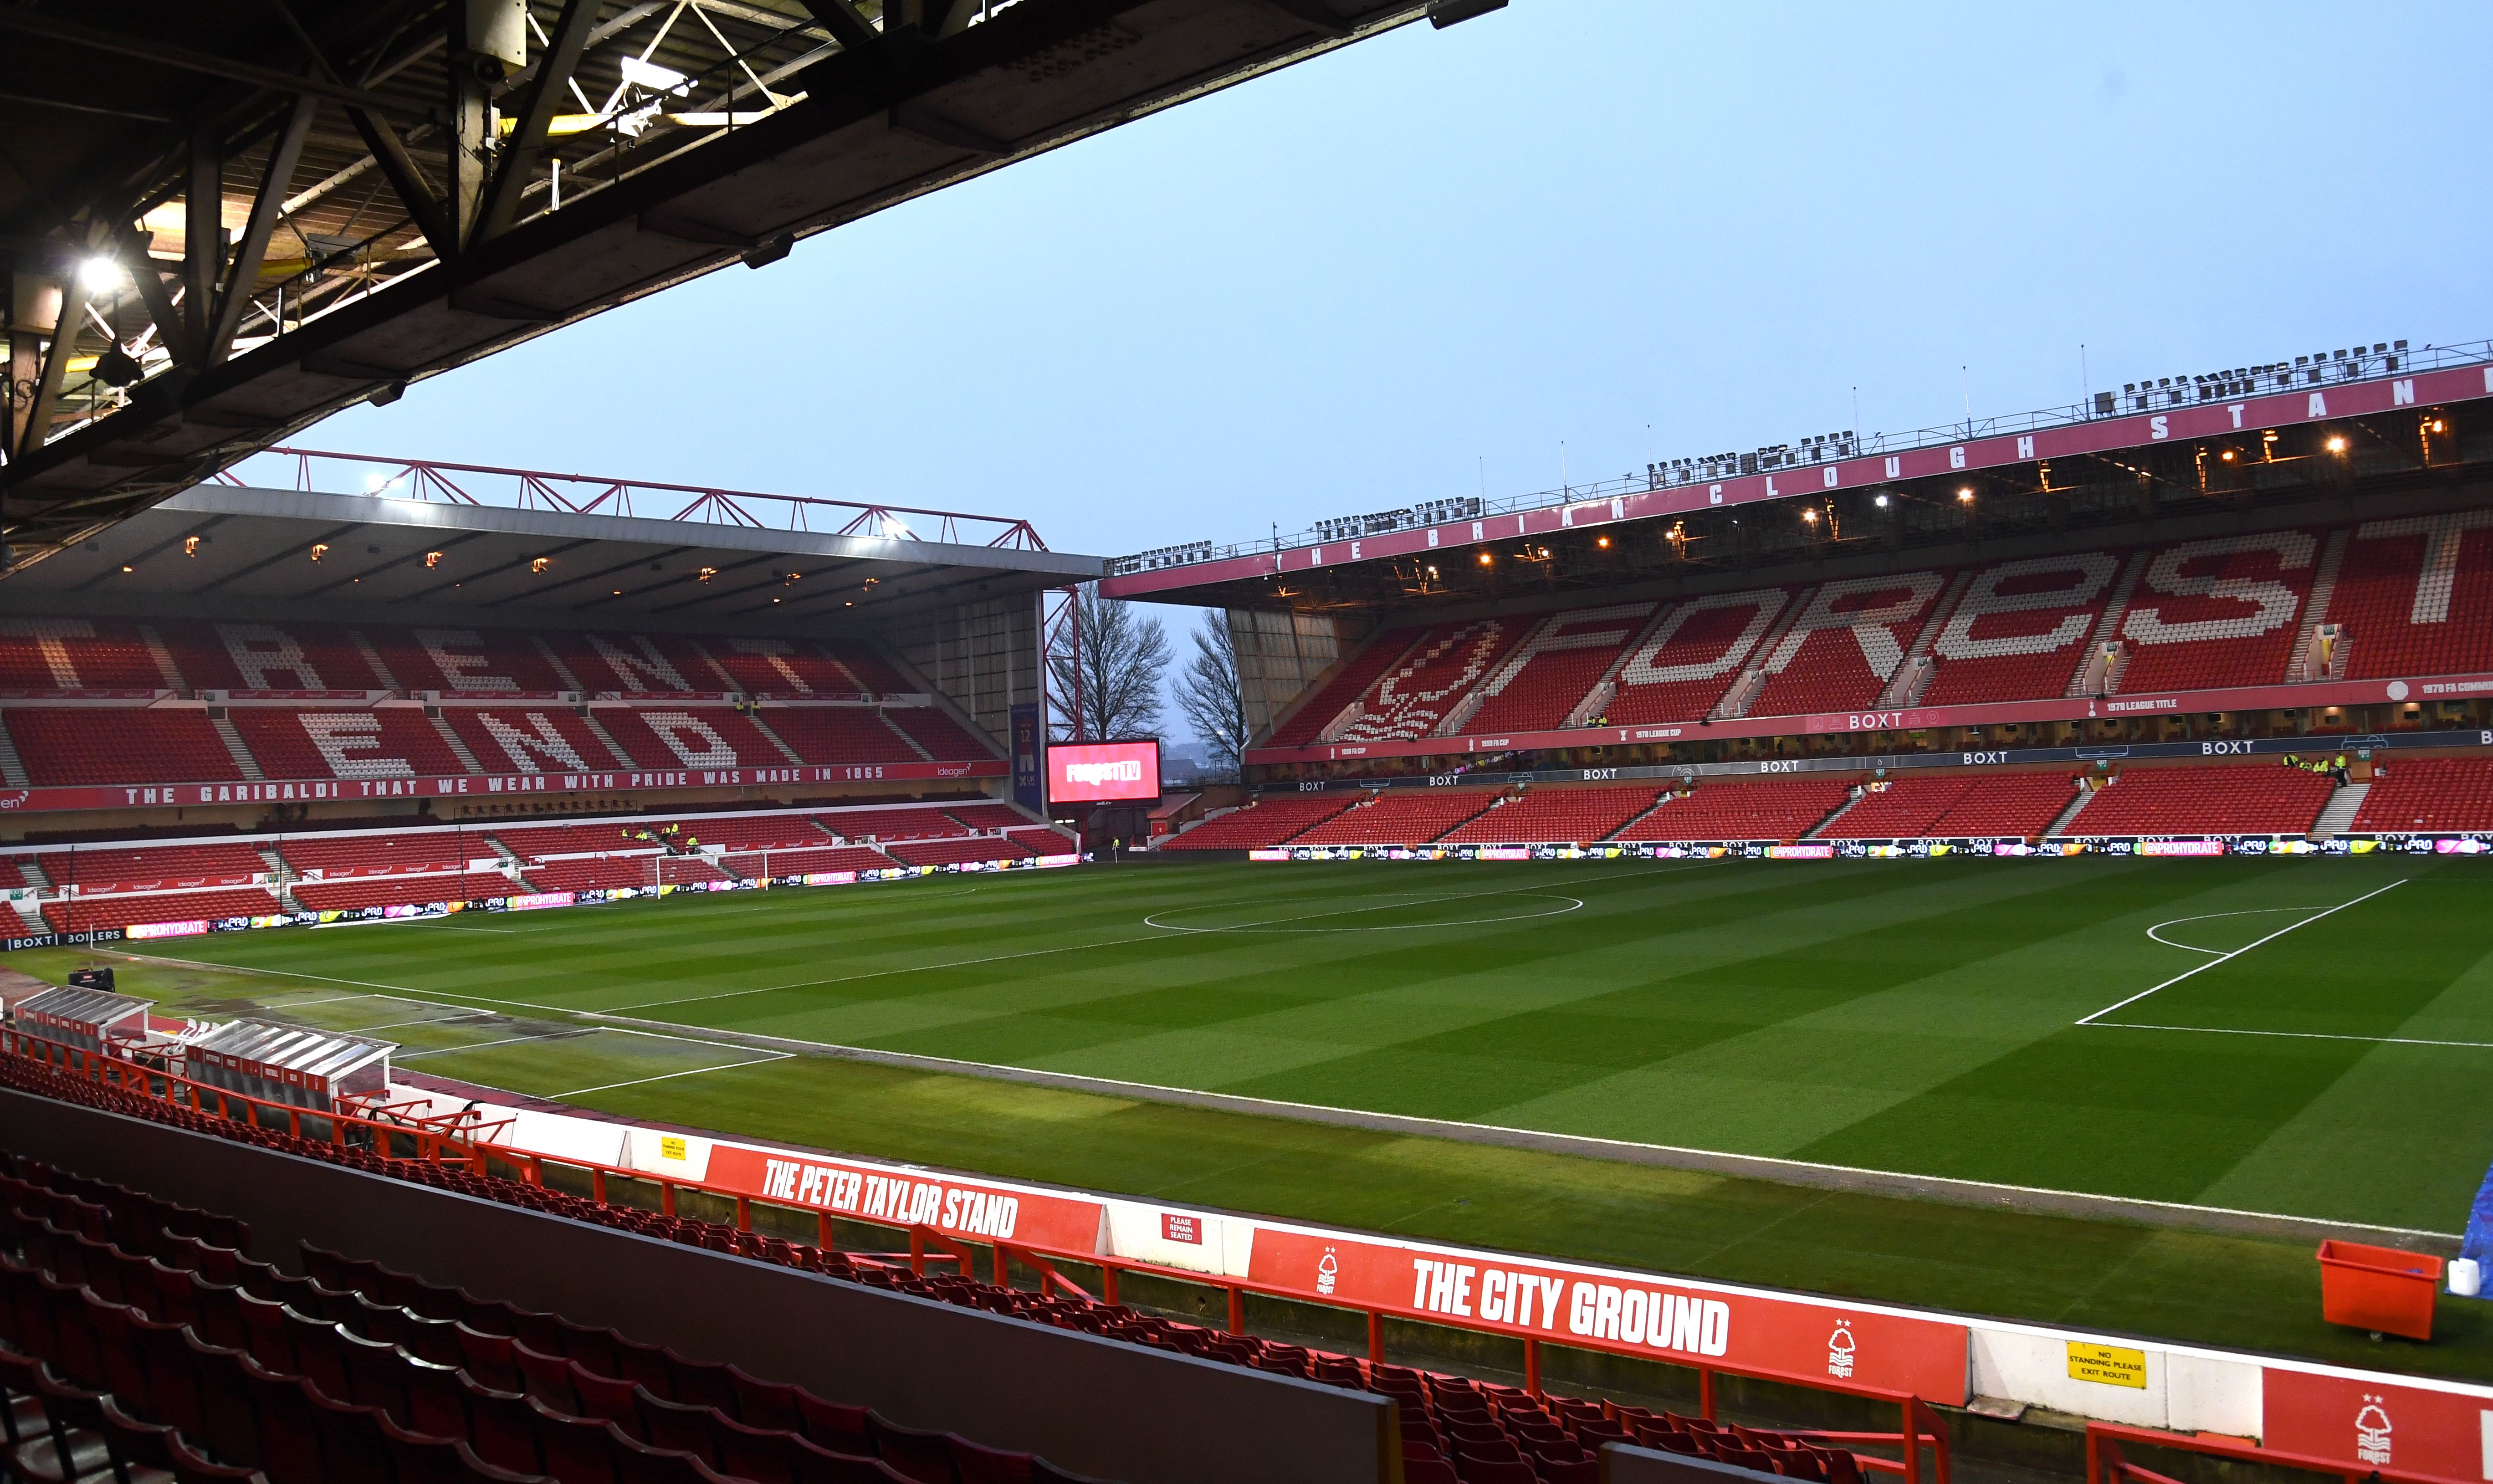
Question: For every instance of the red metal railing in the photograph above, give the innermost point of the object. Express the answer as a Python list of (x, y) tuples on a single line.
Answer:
[(1919, 1426), (2106, 1463), (470, 484)]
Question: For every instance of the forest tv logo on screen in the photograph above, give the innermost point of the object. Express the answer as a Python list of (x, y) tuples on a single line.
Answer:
[(1100, 771)]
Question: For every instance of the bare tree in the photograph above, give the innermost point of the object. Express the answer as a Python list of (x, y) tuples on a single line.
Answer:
[(1115, 676), (1209, 694)]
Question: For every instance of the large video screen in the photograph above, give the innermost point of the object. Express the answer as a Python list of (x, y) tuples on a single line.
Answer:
[(1099, 772)]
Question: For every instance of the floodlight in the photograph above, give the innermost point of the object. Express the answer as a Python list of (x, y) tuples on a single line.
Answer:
[(98, 275)]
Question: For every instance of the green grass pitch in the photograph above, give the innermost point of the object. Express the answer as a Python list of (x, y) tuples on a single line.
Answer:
[(1925, 1016)]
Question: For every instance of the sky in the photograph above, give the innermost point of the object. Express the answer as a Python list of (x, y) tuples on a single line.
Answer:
[(1561, 240)]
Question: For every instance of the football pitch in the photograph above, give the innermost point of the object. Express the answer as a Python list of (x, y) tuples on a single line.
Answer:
[(2293, 1036)]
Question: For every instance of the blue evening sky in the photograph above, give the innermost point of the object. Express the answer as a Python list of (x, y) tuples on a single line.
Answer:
[(1415, 267)]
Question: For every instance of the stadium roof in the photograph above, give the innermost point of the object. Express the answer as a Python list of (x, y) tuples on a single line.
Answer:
[(496, 546), (254, 216), (2305, 428)]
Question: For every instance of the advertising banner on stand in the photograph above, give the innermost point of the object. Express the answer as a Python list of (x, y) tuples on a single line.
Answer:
[(968, 1209), (1625, 1313)]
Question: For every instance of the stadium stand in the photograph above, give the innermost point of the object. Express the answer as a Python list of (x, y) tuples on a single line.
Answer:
[(1427, 686), (251, 656), (635, 664), (782, 667), (756, 832), (465, 661), (148, 1348), (2020, 630), (1556, 668), (1399, 819), (147, 1341), (154, 868), (362, 853), (68, 747), (1845, 643), (899, 824), (982, 847), (85, 914), (41, 655), (2415, 596), (1350, 680), (2429, 793), (2208, 615), (875, 676), (1567, 816), (1267, 822), (842, 734), (542, 740), (1741, 809), (1680, 668), (803, 861), (1956, 807), (689, 737), (403, 890), (937, 733), (395, 742), (2247, 799), (986, 816)]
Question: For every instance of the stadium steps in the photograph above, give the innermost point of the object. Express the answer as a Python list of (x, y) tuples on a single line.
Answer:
[(373, 657), (701, 651), (1917, 668), (1641, 816), (2315, 610), (901, 731), (280, 874), (2115, 606), (451, 739), (2069, 815), (606, 738), (512, 861), (2338, 815), (163, 656), (772, 736), (12, 767), (31, 913), (241, 756), (1829, 823)]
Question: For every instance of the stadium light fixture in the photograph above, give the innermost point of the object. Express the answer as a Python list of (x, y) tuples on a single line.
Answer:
[(540, 563), (98, 275), (1880, 502), (320, 549), (1809, 516), (1486, 558), (128, 568), (1964, 497), (431, 559), (190, 546), (2337, 445), (1603, 542)]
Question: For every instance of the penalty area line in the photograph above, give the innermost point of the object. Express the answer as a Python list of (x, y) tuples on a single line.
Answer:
[(2233, 1030), (2203, 968)]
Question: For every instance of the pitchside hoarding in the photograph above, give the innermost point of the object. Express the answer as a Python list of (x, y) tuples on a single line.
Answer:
[(1102, 773)]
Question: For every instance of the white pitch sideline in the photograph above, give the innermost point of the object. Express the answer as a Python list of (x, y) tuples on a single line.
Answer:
[(2240, 951)]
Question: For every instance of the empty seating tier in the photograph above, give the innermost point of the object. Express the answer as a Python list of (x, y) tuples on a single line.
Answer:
[(2428, 794), (166, 1348), (397, 741), (1268, 822), (371, 853), (1350, 680), (2019, 630), (2415, 596), (2220, 613), (403, 891), (689, 737), (1956, 807), (1846, 642), (154, 867), (56, 654), (65, 748), (1568, 816), (841, 734), (1742, 809), (521, 739), (984, 847), (1400, 819), (86, 914), (926, 824), (2250, 798)]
